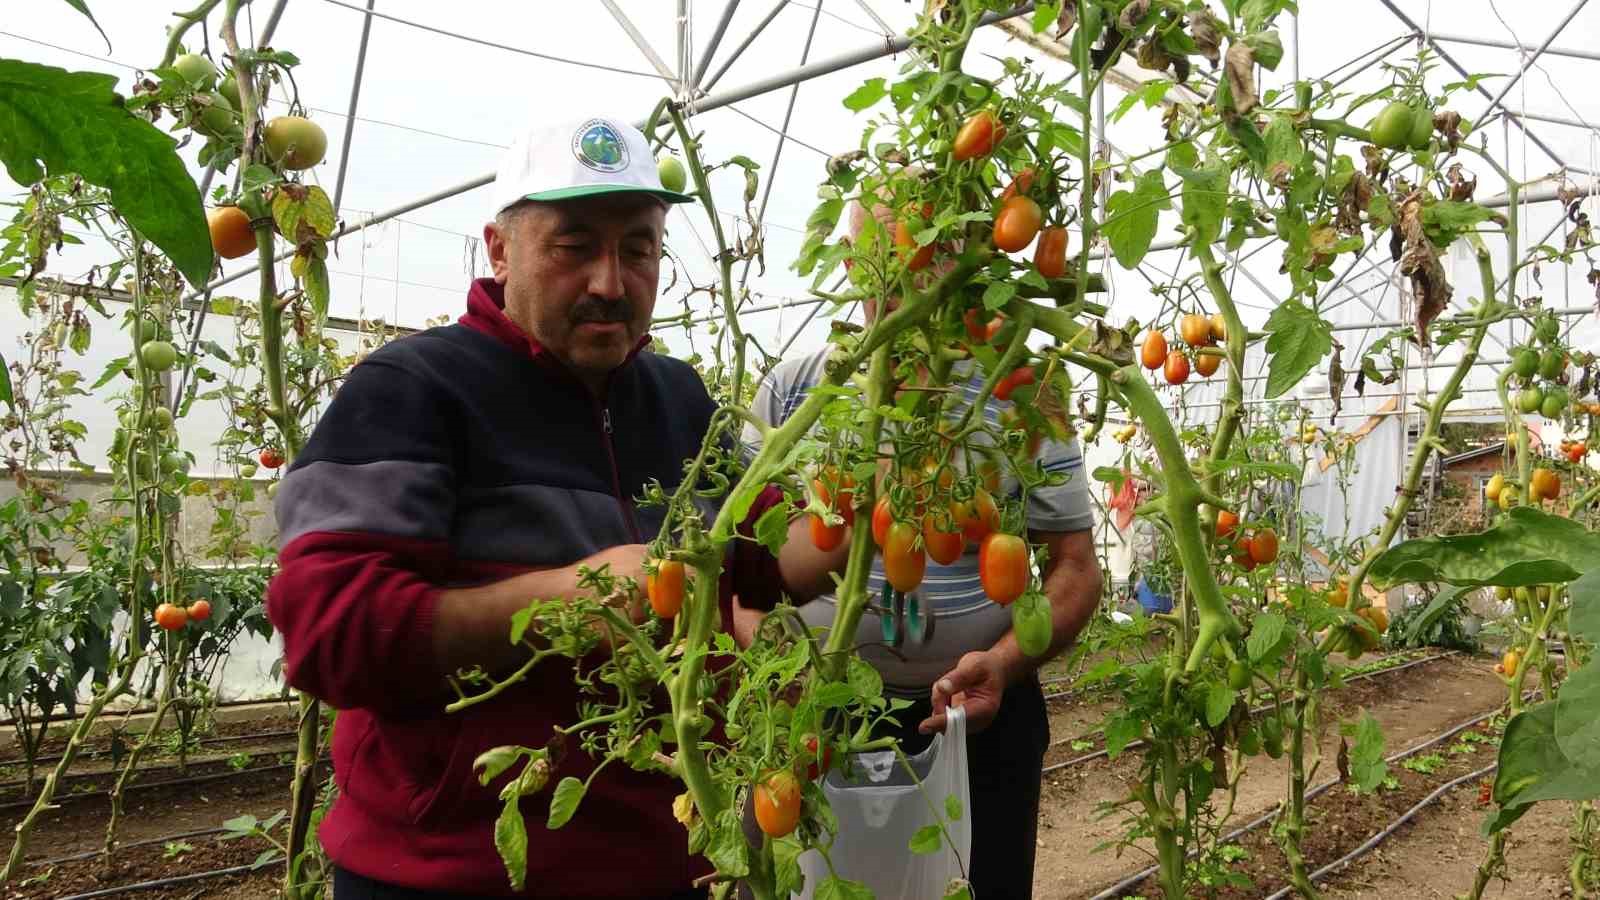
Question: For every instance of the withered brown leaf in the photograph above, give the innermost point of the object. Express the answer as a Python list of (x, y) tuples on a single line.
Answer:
[(1420, 263), (1239, 69), (1132, 14), (1067, 18), (1203, 28)]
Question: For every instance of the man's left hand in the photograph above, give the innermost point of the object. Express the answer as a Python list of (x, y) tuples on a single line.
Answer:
[(976, 684)]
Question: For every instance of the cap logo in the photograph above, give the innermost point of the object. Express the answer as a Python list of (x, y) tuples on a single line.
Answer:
[(597, 145)]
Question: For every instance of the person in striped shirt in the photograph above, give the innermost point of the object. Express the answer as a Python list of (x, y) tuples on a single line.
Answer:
[(970, 658)]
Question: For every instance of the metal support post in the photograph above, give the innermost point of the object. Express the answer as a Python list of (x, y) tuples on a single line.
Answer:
[(743, 45), (350, 110), (639, 41), (711, 48), (1528, 63)]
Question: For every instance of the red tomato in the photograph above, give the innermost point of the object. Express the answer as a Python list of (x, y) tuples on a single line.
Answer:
[(1050, 257), (1264, 546), (882, 518), (944, 547), (665, 588), (1241, 555), (777, 802), (978, 516), (1003, 567), (1227, 520), (1176, 368), (903, 561), (981, 334), (905, 241), (200, 610), (844, 504), (824, 536), (977, 136), (1021, 184), (271, 458), (816, 765), (1018, 377), (171, 617), (1016, 224), (1153, 355)]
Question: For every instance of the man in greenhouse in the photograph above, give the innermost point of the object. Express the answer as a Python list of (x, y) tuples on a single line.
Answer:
[(460, 473), (971, 658)]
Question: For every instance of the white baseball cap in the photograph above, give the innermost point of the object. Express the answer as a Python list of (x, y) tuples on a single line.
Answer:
[(578, 157)]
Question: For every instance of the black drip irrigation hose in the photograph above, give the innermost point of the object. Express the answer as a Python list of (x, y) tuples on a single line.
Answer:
[(146, 785), (1090, 757), (99, 752), (86, 854), (1133, 880), (289, 708), (168, 882), (1372, 842)]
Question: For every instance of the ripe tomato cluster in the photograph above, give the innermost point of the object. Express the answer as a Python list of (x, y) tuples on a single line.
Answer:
[(1199, 333), (1259, 548), (173, 617)]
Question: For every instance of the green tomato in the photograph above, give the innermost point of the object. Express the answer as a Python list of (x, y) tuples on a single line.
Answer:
[(673, 176), (1528, 401), (158, 355), (174, 462), (1272, 736), (1501, 592), (1392, 128), (1552, 363), (197, 70), (1421, 128), (1249, 741), (1524, 595), (1238, 675), (1554, 403), (248, 470), (1546, 329), (162, 416), (230, 89), (217, 117), (272, 488), (1030, 622), (1525, 362), (145, 330)]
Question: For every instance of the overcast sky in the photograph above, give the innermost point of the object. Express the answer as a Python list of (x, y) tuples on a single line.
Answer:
[(433, 109)]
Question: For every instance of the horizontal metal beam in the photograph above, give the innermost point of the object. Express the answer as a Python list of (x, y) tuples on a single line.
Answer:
[(1508, 45), (1554, 120)]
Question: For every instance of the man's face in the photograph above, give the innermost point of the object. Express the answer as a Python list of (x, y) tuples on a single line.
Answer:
[(580, 275)]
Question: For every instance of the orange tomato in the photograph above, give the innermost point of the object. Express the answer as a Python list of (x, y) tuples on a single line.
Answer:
[(979, 333), (844, 503), (200, 610), (882, 518), (1510, 662), (1544, 485), (1020, 376), (1206, 364), (1264, 546), (665, 588), (1176, 368), (1021, 184), (231, 236), (777, 803), (944, 547), (825, 537), (977, 136), (1195, 330), (1219, 328), (978, 516), (1003, 567), (1241, 555), (1017, 223), (903, 561), (1050, 257), (905, 242), (1153, 355), (1227, 520), (171, 617)]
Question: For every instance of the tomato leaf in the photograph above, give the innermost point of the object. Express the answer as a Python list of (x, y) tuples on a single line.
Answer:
[(728, 850), (83, 7), (1367, 766), (5, 381), (927, 840), (998, 294), (494, 761), (1445, 220), (316, 286), (1267, 632), (1297, 340), (1525, 547), (564, 802), (1132, 217), (836, 888), (834, 695), (1122, 730), (520, 620), (1205, 189), (1578, 716), (865, 680), (952, 808), (1584, 618), (772, 529), (1219, 699), (958, 890), (1533, 767), (786, 854), (56, 121), (511, 840), (867, 95)]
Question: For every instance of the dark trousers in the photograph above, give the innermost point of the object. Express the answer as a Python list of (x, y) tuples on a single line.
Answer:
[(1004, 764), (350, 886)]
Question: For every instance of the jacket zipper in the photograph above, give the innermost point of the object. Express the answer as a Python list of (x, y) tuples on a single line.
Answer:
[(616, 474)]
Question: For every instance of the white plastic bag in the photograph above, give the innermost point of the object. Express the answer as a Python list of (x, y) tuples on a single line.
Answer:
[(879, 809)]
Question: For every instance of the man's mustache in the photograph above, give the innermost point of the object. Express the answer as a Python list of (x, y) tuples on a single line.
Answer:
[(594, 309)]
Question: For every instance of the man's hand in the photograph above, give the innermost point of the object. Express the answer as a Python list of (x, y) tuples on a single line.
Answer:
[(976, 685)]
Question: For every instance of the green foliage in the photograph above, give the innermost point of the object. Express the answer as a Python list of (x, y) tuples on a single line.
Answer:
[(1298, 339), (1525, 547), (1435, 624), (1534, 765), (1367, 766), (56, 121)]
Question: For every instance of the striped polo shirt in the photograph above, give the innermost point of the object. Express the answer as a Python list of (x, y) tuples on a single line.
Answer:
[(964, 618)]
